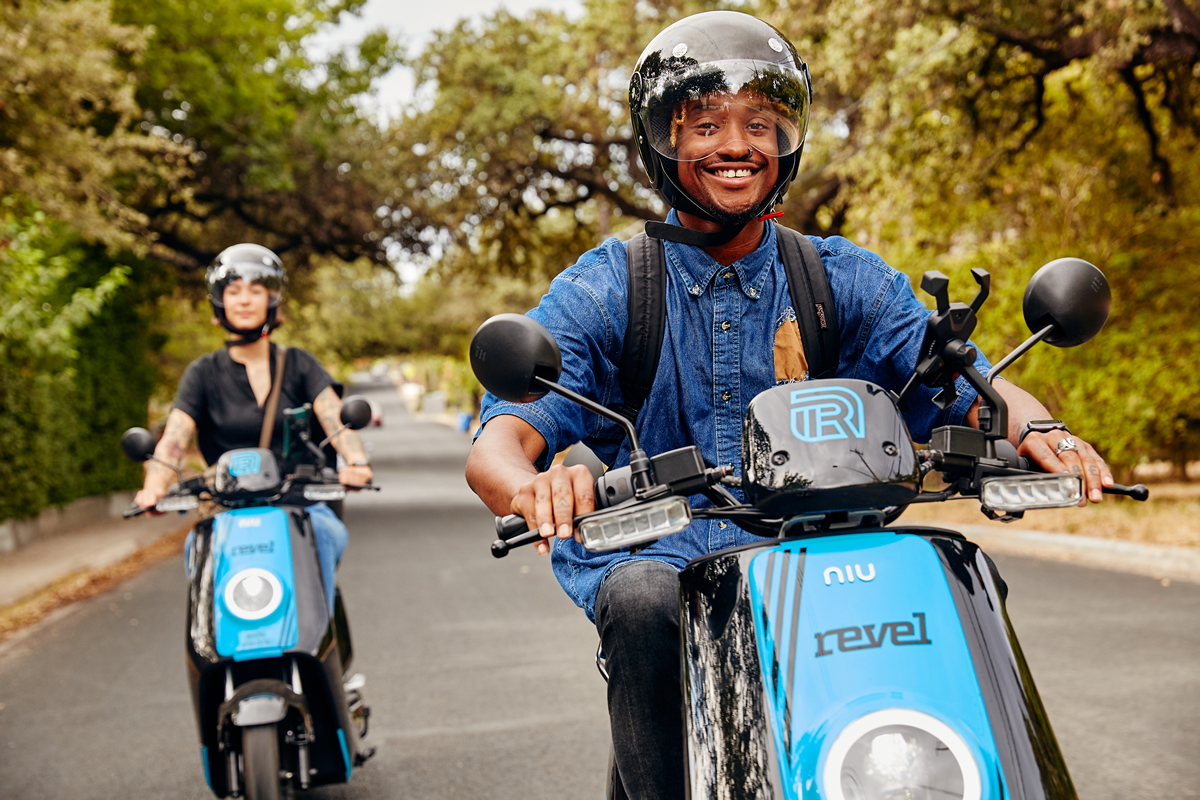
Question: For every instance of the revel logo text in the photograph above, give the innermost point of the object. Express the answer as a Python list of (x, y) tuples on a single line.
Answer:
[(821, 414)]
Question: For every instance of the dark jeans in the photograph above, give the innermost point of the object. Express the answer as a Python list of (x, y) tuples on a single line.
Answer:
[(637, 615)]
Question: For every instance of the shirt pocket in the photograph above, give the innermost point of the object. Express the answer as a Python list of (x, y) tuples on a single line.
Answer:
[(790, 361)]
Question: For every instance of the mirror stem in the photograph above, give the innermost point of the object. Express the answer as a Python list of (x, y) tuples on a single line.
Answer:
[(1021, 350), (639, 463), (178, 472), (329, 438)]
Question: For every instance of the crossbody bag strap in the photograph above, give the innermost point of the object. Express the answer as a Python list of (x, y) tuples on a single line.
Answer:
[(268, 428), (812, 300), (646, 267)]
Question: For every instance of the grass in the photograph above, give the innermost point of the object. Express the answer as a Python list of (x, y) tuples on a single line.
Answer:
[(1170, 516)]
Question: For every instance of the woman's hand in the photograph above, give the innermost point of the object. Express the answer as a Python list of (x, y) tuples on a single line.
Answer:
[(355, 476), (148, 497)]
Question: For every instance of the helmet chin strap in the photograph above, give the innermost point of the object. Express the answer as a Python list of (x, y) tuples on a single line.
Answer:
[(694, 238)]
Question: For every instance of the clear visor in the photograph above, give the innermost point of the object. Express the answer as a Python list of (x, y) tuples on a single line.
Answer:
[(693, 114), (269, 278)]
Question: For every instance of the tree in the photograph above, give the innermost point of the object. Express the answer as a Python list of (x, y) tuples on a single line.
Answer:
[(281, 146), (66, 112)]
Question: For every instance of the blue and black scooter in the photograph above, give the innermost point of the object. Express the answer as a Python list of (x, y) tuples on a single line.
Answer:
[(267, 662), (843, 658)]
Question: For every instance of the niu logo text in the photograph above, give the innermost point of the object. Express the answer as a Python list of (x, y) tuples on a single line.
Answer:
[(832, 572), (846, 640)]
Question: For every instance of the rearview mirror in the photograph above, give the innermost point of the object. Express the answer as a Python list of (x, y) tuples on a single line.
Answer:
[(509, 351), (356, 412), (138, 444), (1073, 296)]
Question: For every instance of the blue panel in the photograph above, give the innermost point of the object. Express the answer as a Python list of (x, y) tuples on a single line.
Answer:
[(254, 537), (245, 462), (345, 752), (877, 628), (207, 774)]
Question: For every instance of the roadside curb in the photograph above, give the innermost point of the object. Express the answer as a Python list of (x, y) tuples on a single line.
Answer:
[(1161, 562)]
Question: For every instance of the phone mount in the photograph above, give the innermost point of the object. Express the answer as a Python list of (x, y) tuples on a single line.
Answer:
[(946, 354)]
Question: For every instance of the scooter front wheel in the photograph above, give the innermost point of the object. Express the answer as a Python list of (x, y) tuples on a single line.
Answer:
[(260, 762)]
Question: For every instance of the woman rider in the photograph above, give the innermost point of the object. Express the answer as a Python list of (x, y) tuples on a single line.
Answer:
[(222, 395)]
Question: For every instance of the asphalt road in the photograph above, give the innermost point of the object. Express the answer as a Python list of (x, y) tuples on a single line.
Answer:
[(480, 672)]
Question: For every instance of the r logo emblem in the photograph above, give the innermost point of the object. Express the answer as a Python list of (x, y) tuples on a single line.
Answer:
[(826, 412)]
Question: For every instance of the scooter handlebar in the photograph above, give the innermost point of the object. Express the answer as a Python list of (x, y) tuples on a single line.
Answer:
[(512, 532)]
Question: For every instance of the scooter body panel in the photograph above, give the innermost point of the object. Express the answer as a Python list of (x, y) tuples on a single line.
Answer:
[(301, 630), (254, 542), (799, 652)]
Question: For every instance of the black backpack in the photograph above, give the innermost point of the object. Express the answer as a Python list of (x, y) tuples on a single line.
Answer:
[(646, 265)]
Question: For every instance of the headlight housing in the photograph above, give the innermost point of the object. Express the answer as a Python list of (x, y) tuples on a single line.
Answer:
[(253, 593), (1027, 492), (635, 524), (899, 752), (181, 502), (324, 492)]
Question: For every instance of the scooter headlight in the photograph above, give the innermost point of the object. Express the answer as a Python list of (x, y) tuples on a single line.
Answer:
[(1027, 492), (636, 524), (253, 593), (900, 753)]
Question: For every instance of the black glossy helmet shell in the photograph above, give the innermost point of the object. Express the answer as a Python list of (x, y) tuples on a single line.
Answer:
[(252, 263), (710, 53)]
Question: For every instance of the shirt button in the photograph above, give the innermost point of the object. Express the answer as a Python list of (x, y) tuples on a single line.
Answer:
[(696, 289), (727, 275), (722, 525), (725, 325), (726, 395), (752, 292)]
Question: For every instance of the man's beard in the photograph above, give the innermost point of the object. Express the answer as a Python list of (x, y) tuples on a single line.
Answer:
[(727, 219)]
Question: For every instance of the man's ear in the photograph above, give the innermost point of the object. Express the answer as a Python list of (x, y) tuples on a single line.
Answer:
[(216, 322)]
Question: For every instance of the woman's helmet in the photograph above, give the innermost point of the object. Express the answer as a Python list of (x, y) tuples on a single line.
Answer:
[(732, 58), (252, 263)]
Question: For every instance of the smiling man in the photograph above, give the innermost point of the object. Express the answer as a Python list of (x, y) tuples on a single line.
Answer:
[(719, 105)]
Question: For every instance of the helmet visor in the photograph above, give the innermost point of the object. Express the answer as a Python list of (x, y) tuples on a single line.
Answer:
[(269, 277), (690, 114)]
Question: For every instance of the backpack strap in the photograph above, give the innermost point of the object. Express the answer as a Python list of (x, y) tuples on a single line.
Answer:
[(812, 300), (272, 404), (646, 267)]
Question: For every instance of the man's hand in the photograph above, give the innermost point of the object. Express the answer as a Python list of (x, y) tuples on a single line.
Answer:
[(550, 502), (355, 476), (1084, 460)]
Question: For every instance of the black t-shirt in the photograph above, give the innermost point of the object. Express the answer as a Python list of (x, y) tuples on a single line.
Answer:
[(216, 393)]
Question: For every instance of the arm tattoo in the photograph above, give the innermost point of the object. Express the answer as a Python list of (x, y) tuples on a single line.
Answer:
[(328, 408), (173, 444)]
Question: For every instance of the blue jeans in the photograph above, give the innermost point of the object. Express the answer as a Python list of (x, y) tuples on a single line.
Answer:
[(637, 617), (331, 536)]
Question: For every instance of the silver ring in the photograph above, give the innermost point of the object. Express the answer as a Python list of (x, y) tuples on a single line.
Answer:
[(1064, 445)]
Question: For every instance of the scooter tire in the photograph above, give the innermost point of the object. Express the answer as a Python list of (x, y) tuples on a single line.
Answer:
[(260, 762)]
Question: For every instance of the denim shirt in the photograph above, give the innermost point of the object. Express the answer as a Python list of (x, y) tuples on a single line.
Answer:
[(730, 334)]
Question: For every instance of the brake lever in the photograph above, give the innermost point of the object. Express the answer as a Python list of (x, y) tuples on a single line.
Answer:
[(135, 511), (1139, 492)]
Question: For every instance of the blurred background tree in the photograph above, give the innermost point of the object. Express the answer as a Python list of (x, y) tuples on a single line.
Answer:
[(946, 134)]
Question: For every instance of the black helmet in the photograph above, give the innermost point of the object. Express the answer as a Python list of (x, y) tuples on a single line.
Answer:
[(252, 263), (723, 53)]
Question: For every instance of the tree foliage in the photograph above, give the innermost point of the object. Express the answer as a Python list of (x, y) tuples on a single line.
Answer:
[(66, 392), (946, 134), (67, 110)]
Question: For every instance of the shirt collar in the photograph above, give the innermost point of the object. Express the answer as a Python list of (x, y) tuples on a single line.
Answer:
[(697, 269)]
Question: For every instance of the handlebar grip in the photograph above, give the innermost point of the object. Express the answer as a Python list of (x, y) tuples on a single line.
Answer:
[(500, 547), (511, 526), (1139, 492)]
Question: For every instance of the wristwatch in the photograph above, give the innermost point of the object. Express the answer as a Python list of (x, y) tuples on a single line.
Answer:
[(1042, 426)]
